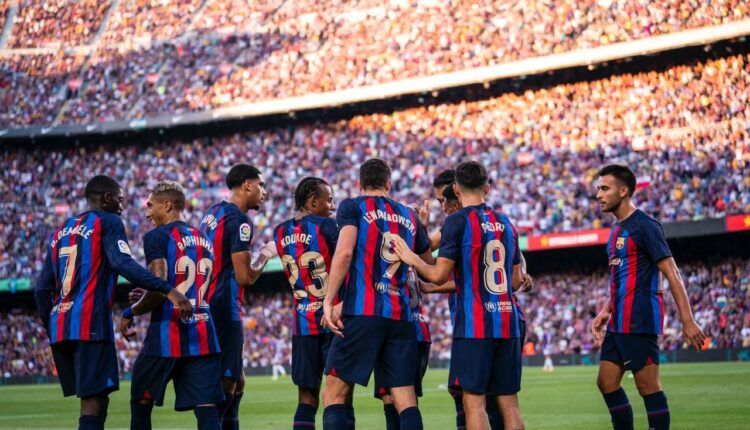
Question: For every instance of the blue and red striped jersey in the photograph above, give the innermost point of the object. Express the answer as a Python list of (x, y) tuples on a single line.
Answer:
[(230, 230), (74, 291), (306, 247), (415, 303), (635, 247), (376, 285), (484, 246), (189, 257)]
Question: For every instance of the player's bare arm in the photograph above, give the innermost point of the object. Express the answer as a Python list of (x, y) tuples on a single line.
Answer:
[(146, 300), (241, 264), (517, 279), (599, 323), (437, 273), (693, 334), (342, 259), (431, 288)]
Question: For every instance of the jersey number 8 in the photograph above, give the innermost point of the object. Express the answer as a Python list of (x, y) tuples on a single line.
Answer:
[(495, 276)]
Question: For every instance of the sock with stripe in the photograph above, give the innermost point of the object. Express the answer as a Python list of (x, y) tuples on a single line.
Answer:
[(657, 411), (460, 415), (90, 422), (140, 415), (410, 419), (208, 417), (350, 421), (231, 420), (391, 416), (493, 413), (620, 409), (304, 418), (335, 417)]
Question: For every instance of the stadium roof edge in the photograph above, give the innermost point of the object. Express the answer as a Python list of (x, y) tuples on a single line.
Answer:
[(473, 76)]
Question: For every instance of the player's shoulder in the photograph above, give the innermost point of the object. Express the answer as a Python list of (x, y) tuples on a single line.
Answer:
[(106, 219), (406, 208), (641, 222)]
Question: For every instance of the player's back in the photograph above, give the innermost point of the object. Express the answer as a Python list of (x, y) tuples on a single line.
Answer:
[(376, 285), (83, 278), (230, 230), (306, 247), (486, 248), (416, 306), (189, 257)]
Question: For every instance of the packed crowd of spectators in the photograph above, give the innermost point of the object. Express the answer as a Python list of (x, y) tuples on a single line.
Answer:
[(559, 311), (56, 22), (683, 130), (220, 53)]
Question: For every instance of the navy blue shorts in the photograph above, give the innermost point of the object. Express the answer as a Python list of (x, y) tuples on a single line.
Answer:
[(632, 351), (367, 341), (309, 355), (522, 329), (423, 359), (486, 366), (86, 368), (197, 380), (231, 339)]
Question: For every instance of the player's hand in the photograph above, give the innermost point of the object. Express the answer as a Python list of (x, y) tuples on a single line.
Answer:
[(599, 324), (181, 303), (423, 212), (527, 283), (268, 250), (126, 328), (136, 294), (332, 318), (403, 252), (693, 334)]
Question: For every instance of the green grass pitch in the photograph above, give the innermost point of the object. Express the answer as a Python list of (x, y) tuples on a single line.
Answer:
[(701, 396)]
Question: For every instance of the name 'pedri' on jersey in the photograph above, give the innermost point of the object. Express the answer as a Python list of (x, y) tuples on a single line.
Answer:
[(636, 245), (189, 257), (306, 247), (484, 246), (376, 285), (230, 230), (83, 259)]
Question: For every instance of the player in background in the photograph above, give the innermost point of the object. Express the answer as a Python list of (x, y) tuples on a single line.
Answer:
[(183, 351), (227, 226), (375, 325), (305, 245), (450, 204), (74, 294), (480, 246), (633, 316), (423, 355)]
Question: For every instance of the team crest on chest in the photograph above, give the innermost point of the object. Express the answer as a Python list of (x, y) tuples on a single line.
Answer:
[(620, 243)]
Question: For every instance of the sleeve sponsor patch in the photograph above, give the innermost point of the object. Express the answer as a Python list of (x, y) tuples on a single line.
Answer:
[(124, 248), (245, 232)]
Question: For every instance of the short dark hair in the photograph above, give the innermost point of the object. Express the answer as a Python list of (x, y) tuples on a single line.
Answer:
[(240, 173), (171, 191), (449, 194), (100, 184), (374, 174), (307, 187), (622, 174), (446, 177), (471, 175)]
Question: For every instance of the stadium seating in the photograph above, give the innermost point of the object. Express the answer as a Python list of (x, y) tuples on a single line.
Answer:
[(233, 52), (683, 130)]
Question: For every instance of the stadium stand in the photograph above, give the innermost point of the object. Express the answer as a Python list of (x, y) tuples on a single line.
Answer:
[(56, 22)]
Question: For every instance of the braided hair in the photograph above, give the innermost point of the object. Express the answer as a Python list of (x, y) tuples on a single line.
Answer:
[(307, 187)]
